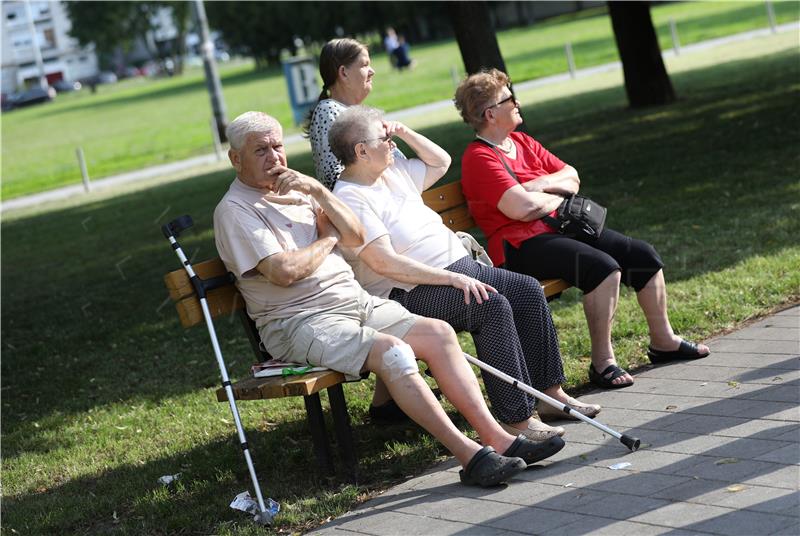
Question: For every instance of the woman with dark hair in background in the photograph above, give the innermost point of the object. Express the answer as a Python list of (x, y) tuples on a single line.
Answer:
[(346, 72)]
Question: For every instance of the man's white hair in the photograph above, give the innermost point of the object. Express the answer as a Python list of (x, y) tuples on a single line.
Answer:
[(248, 122)]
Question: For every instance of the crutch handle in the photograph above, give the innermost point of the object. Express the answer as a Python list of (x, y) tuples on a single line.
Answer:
[(177, 226)]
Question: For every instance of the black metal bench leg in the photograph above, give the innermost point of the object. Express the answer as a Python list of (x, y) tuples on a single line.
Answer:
[(344, 433), (316, 423)]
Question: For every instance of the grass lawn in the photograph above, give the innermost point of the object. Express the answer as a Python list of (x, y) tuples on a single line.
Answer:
[(104, 392), (139, 123)]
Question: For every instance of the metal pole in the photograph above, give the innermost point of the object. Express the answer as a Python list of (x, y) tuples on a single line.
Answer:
[(37, 52), (570, 60), (676, 42), (84, 172), (215, 136), (210, 67), (771, 17)]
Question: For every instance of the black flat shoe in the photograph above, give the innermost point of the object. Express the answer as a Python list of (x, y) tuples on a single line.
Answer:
[(389, 412), (487, 468), (533, 452), (686, 350)]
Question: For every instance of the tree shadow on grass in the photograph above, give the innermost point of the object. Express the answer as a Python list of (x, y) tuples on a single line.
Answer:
[(128, 498)]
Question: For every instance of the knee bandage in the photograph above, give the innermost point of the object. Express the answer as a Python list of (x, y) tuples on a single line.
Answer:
[(399, 361)]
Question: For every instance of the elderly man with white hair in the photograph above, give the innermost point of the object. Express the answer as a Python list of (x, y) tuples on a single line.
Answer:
[(278, 230)]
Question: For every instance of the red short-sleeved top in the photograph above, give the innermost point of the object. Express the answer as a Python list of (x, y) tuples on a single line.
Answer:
[(484, 180)]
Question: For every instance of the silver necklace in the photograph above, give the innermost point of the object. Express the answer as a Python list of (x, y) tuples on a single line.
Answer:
[(505, 146)]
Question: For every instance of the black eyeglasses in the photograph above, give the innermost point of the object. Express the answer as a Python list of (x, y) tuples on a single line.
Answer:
[(384, 138), (500, 103)]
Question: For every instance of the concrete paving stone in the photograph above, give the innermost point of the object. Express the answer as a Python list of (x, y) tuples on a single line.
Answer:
[(712, 469), (790, 433), (621, 507), (530, 520), (777, 393), (681, 515), (790, 530), (755, 361), (335, 531), (388, 523), (682, 443), (704, 373), (706, 389), (743, 447), (790, 322), (756, 498), (641, 419), (790, 348), (650, 461), (639, 484), (788, 455), (787, 477), (601, 525), (460, 509), (744, 522), (721, 426), (791, 311), (761, 333)]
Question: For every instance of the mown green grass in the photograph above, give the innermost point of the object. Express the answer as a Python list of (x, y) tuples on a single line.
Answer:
[(140, 123), (103, 391)]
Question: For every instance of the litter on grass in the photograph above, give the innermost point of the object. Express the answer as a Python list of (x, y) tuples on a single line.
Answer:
[(620, 465), (166, 480), (247, 504)]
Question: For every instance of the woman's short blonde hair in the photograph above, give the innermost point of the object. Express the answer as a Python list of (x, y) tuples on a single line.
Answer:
[(476, 93)]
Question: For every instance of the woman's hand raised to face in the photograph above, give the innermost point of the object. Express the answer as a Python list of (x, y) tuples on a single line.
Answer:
[(471, 287), (395, 128)]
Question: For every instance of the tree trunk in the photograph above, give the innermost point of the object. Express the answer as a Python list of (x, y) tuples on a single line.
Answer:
[(476, 36), (646, 80)]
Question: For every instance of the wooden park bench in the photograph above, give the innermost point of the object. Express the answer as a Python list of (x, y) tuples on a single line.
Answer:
[(226, 300)]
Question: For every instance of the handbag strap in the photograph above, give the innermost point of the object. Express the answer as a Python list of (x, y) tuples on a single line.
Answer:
[(548, 219)]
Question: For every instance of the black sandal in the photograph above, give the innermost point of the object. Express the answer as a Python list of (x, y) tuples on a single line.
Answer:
[(487, 468), (600, 380), (686, 350)]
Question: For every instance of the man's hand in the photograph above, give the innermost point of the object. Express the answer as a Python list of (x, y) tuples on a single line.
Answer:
[(287, 179), (471, 287)]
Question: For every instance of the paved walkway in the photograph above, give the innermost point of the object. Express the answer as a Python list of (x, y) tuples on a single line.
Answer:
[(199, 162), (721, 455)]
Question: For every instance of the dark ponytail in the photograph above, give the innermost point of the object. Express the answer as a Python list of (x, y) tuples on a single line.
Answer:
[(334, 54)]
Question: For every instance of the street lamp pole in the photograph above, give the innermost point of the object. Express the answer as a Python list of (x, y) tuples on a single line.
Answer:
[(210, 66)]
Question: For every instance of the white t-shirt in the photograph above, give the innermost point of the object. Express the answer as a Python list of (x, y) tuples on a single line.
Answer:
[(250, 225), (393, 206)]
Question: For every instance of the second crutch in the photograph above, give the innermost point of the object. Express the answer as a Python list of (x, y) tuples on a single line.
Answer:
[(630, 442), (171, 231)]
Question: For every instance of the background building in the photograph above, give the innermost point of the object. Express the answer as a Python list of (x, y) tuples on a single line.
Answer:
[(64, 58)]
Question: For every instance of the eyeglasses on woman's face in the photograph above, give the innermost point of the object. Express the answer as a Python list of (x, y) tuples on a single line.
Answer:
[(382, 139), (511, 97)]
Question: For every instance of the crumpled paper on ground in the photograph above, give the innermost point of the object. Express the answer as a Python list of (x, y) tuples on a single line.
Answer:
[(246, 503), (166, 480)]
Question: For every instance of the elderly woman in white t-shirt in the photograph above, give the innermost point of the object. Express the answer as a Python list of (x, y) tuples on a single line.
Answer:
[(412, 257)]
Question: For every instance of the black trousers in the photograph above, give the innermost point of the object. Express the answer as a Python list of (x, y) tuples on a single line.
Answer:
[(585, 263), (513, 331)]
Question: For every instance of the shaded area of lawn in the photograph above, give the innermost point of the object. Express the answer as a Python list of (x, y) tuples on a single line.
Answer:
[(104, 391)]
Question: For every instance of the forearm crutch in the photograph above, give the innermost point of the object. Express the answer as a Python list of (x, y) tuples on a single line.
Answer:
[(630, 442), (171, 231)]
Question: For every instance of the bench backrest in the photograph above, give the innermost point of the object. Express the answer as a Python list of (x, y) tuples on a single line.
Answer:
[(221, 301), (449, 202)]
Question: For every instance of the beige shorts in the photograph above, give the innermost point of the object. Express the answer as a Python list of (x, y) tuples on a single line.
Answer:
[(339, 339)]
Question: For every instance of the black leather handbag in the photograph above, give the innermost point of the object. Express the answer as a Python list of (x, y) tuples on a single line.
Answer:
[(579, 216)]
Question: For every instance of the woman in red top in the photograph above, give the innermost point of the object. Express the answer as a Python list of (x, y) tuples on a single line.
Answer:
[(509, 211)]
